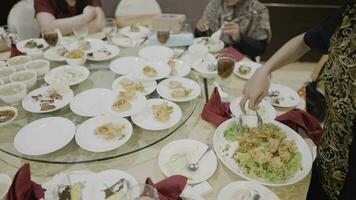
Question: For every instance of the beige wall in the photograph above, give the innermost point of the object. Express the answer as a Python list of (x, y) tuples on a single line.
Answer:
[(192, 8)]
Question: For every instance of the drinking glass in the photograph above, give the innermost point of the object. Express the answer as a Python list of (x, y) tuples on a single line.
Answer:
[(110, 28), (225, 68), (80, 30), (9, 35), (142, 192), (50, 35), (163, 36)]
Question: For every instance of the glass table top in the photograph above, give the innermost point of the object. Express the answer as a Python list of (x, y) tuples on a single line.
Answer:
[(101, 77)]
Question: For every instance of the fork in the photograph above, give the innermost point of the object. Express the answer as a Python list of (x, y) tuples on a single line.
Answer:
[(259, 122)]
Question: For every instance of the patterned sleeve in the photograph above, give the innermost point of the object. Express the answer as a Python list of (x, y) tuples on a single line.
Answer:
[(211, 10), (262, 30)]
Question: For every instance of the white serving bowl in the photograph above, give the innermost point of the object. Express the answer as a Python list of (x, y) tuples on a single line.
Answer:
[(12, 93), (19, 62), (12, 119), (5, 73), (40, 66), (6, 181), (76, 61), (29, 77), (197, 51)]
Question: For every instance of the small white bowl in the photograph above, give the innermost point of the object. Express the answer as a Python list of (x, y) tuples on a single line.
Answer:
[(19, 92), (197, 51), (12, 119), (76, 61), (6, 181), (19, 62), (5, 73), (40, 66), (29, 77)]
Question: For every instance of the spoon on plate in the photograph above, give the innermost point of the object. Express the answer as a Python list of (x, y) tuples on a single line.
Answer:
[(195, 166)]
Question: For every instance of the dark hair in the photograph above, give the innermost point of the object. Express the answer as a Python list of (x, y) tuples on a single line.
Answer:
[(62, 5)]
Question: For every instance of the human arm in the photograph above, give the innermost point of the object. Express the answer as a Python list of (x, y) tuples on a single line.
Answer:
[(97, 24)]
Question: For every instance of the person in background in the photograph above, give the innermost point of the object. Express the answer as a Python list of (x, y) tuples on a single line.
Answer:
[(63, 13), (334, 170), (245, 24)]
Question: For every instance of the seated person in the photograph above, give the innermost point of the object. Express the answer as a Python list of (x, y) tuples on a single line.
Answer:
[(63, 13), (245, 24)]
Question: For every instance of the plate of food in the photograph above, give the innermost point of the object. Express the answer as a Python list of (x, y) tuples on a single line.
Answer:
[(103, 133), (107, 52), (88, 45), (46, 99), (55, 54), (179, 68), (283, 96), (68, 185), (178, 89), (159, 53), (31, 45), (244, 190), (120, 65), (265, 109), (124, 103), (159, 114), (206, 66), (175, 157), (44, 136), (110, 185), (135, 31), (276, 156), (213, 46), (245, 69), (89, 103), (73, 74), (129, 83), (7, 115), (151, 71)]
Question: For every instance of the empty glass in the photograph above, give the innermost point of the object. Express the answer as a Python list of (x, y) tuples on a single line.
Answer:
[(80, 30), (110, 28), (142, 192)]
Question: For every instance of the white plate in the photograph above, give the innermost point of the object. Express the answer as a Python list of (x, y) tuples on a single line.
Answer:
[(75, 74), (156, 53), (137, 104), (253, 66), (213, 47), (150, 86), (164, 91), (86, 138), (290, 96), (175, 156), (126, 31), (183, 68), (126, 42), (162, 69), (226, 156), (33, 106), (21, 45), (230, 190), (124, 65), (146, 120), (202, 66), (265, 109), (52, 55), (44, 136), (94, 191), (90, 102), (72, 177), (95, 44), (114, 51)]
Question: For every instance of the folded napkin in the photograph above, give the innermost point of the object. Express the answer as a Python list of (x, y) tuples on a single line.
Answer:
[(297, 118), (234, 53), (23, 188), (15, 52), (169, 188), (216, 111)]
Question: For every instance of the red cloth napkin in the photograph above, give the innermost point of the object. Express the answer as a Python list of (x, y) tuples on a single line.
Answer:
[(234, 53), (169, 188), (15, 52), (297, 118), (22, 188), (216, 111)]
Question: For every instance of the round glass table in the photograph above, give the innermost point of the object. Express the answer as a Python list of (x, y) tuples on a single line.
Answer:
[(100, 77)]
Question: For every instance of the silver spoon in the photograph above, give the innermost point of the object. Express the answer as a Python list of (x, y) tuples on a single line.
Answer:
[(195, 166)]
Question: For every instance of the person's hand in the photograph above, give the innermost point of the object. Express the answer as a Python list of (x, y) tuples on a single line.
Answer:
[(255, 89), (202, 24), (89, 13), (232, 29)]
